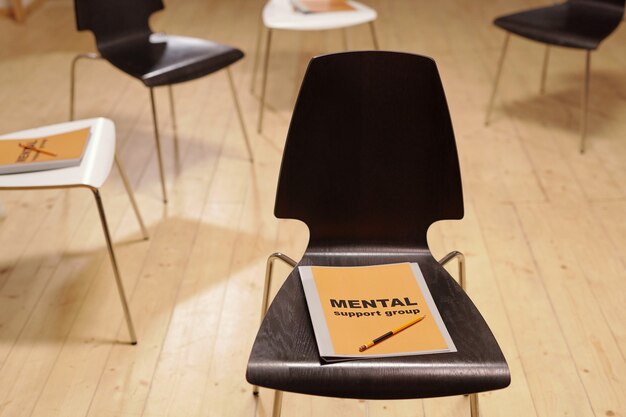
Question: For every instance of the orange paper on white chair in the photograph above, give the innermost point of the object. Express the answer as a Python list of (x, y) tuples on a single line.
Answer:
[(43, 153), (321, 6)]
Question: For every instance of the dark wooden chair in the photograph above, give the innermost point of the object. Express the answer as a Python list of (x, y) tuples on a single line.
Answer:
[(579, 24), (124, 38), (369, 164)]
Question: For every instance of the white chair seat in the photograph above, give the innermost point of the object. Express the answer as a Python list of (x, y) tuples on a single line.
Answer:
[(93, 169), (280, 14)]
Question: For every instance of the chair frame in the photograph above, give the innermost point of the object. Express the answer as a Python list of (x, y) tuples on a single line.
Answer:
[(157, 135), (107, 235), (269, 268)]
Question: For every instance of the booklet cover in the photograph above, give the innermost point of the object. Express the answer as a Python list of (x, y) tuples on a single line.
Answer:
[(42, 153), (321, 6), (373, 311)]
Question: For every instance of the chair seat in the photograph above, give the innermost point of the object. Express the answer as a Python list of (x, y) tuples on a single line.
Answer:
[(285, 355), (93, 169), (573, 24), (280, 14), (167, 59)]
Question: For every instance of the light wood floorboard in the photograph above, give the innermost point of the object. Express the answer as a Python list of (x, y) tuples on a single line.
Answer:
[(544, 231)]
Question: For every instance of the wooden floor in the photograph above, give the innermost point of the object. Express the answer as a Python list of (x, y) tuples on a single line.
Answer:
[(544, 231)]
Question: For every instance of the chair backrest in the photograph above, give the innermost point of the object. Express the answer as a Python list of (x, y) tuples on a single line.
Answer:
[(370, 155), (114, 19)]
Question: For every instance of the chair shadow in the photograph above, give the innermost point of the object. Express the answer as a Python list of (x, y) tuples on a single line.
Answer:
[(51, 311), (560, 106)]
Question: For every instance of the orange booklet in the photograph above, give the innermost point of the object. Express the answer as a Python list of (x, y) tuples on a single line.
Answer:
[(42, 153), (321, 6), (373, 311)]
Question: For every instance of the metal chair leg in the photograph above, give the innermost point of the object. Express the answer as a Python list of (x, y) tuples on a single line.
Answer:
[(461, 258), (584, 104), (131, 196), (269, 268), (264, 86), (116, 272), (344, 38), (73, 78), (18, 11), (174, 124), (463, 282), (278, 403), (374, 37), (158, 145), (257, 50), (544, 70), (474, 410), (240, 114), (497, 80)]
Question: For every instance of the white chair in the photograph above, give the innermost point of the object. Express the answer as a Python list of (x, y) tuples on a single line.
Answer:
[(91, 174), (281, 15)]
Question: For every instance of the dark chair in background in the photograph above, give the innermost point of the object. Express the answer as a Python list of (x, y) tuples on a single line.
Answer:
[(580, 24), (369, 164), (124, 38)]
